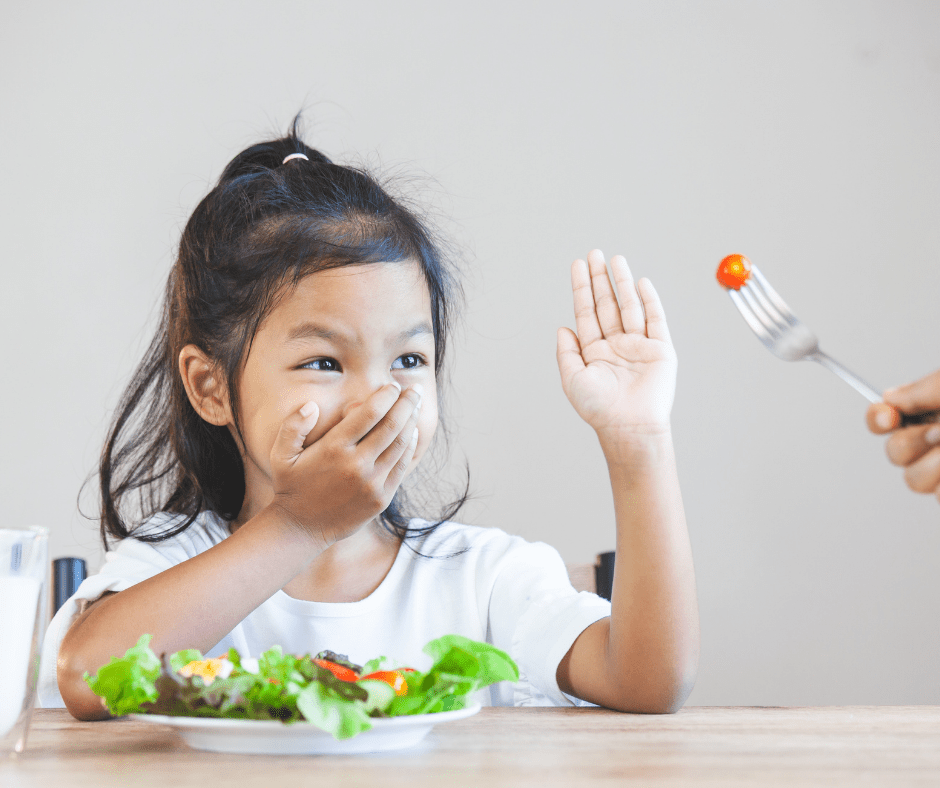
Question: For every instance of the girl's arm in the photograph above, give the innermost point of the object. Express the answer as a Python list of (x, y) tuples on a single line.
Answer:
[(323, 493), (619, 371)]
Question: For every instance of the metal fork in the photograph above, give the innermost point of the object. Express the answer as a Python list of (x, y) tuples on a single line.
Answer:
[(786, 337)]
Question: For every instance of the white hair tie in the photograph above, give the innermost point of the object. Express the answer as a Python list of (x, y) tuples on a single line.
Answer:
[(295, 156)]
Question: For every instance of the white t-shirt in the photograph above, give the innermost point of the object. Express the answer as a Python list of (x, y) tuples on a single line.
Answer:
[(481, 583)]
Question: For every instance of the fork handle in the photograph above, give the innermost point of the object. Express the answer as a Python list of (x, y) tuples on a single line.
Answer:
[(907, 419), (849, 377)]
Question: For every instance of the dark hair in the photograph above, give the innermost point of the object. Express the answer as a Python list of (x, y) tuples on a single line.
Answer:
[(264, 226)]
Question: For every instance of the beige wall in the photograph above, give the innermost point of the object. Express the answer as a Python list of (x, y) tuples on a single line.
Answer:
[(803, 134)]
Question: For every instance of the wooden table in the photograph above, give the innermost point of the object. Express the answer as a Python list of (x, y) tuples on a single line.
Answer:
[(850, 746)]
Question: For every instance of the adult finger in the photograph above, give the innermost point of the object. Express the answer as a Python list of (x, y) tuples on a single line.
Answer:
[(882, 418), (361, 419), (402, 440), (388, 428), (585, 313), (917, 397), (605, 302), (289, 442), (631, 310), (911, 443), (656, 327), (924, 475)]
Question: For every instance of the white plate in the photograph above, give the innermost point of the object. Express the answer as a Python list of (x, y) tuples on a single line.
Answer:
[(301, 738)]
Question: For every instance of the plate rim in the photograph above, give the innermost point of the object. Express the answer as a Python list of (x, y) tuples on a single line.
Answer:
[(180, 721)]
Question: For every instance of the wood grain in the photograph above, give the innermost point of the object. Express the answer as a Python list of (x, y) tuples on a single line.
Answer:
[(545, 747)]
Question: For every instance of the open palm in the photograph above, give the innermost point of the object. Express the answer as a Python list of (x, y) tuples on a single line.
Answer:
[(619, 370)]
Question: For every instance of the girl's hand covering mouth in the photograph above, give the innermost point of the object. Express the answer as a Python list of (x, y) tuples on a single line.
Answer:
[(338, 483)]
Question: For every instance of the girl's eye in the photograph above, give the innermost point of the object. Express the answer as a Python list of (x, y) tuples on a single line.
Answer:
[(323, 365), (408, 361)]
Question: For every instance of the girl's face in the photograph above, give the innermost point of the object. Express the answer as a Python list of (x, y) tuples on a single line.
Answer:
[(338, 337)]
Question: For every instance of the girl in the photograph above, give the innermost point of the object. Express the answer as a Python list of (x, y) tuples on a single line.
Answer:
[(291, 388)]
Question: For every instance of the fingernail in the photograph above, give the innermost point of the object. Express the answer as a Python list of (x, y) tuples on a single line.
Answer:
[(884, 419), (418, 389), (307, 409), (414, 436), (396, 384), (933, 434)]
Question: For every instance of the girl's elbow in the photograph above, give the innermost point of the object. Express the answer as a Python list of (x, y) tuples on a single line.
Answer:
[(664, 694), (80, 701)]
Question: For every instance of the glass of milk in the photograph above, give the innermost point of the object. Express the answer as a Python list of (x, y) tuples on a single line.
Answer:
[(24, 578)]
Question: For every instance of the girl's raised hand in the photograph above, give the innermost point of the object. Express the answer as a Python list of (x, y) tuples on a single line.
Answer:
[(619, 370), (346, 477)]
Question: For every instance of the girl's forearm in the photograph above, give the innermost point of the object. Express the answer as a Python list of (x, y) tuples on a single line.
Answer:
[(191, 605), (653, 641)]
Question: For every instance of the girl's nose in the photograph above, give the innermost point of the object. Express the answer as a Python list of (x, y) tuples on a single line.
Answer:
[(364, 395)]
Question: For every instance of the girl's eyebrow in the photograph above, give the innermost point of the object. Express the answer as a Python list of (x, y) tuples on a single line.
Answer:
[(310, 330)]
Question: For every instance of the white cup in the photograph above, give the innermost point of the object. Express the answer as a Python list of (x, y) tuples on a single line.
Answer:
[(24, 583)]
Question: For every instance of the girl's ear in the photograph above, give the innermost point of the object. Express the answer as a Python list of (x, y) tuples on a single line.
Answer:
[(205, 386)]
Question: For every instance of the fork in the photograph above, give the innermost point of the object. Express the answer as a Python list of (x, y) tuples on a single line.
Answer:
[(784, 335)]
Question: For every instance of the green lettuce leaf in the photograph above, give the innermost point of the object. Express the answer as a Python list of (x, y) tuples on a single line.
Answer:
[(293, 689), (127, 682)]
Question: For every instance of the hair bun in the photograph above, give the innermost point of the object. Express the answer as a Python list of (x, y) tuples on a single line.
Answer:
[(271, 155)]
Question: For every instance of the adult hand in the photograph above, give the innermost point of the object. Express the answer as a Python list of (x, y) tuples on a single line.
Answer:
[(915, 448)]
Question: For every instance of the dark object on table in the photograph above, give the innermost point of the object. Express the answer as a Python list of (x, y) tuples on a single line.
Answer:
[(604, 574), (67, 576)]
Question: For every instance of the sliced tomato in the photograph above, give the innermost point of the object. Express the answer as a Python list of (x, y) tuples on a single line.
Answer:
[(341, 672), (734, 271), (393, 678)]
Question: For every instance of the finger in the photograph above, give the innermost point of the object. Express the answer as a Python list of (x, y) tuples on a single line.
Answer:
[(585, 315), (569, 355), (387, 431), (631, 310), (605, 302), (923, 476), (289, 442), (917, 397), (400, 468), (361, 419), (400, 443), (882, 418), (656, 327), (911, 443)]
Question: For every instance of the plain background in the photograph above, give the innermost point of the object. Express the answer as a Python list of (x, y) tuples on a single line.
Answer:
[(803, 134)]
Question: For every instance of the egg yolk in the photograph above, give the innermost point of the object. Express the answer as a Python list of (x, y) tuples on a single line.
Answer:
[(733, 271)]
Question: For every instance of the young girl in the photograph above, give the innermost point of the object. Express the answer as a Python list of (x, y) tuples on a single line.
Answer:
[(291, 388)]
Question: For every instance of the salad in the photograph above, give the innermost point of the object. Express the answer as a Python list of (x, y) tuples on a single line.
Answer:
[(326, 690)]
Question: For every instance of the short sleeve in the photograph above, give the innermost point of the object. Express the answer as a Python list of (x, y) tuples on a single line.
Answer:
[(131, 562), (534, 608)]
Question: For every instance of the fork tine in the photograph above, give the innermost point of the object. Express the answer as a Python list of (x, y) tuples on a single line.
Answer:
[(757, 326), (769, 308), (763, 311), (772, 296)]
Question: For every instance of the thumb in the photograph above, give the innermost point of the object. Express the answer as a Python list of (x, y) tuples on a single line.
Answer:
[(569, 355), (289, 442), (917, 397)]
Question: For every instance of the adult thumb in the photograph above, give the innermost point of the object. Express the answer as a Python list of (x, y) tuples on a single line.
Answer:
[(917, 397)]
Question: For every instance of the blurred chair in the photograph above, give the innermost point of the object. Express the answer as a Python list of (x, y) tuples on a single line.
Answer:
[(67, 576), (597, 578)]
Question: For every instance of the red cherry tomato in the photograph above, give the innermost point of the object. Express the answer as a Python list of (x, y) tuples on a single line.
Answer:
[(341, 672), (734, 271), (393, 678)]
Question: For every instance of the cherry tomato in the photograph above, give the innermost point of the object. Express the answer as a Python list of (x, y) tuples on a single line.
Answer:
[(393, 678), (734, 271), (342, 673)]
